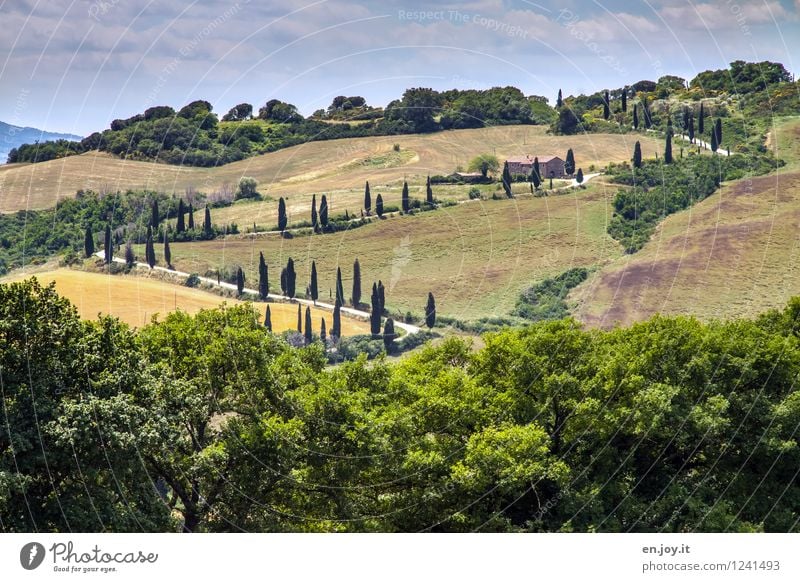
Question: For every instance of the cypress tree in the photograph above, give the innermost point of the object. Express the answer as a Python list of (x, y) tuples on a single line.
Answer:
[(624, 99), (323, 334), (283, 281), (88, 242), (381, 297), (367, 199), (155, 219), (314, 286), (701, 120), (686, 116), (291, 278), (559, 100), (635, 117), (282, 218), (579, 177), (208, 229), (637, 155), (430, 311), (339, 287), (668, 149), (323, 212), (336, 330), (375, 312), (379, 206), (149, 249), (718, 131), (648, 120), (536, 176), (167, 251), (389, 335), (429, 192), (108, 245), (299, 319), (263, 277), (240, 280), (356, 298), (314, 218), (506, 179), (191, 216), (130, 259), (405, 202), (606, 107), (714, 144), (268, 319), (308, 332), (180, 226), (691, 130), (569, 163)]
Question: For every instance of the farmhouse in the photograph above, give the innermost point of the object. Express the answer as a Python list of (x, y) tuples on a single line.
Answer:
[(549, 166)]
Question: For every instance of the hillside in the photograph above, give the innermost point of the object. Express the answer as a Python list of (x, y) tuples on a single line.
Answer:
[(12, 136), (297, 172)]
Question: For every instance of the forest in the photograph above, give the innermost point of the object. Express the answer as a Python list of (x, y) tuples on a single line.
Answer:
[(209, 423)]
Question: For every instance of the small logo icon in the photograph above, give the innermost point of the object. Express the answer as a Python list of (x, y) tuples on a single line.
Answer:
[(31, 555)]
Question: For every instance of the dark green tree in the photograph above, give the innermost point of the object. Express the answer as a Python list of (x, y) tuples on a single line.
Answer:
[(559, 100), (323, 212), (208, 229), (637, 155), (339, 286), (606, 106), (381, 297), (367, 199), (291, 278), (356, 297), (375, 312), (283, 282), (429, 192), (130, 257), (314, 217), (282, 218), (635, 117), (155, 218), (701, 120), (691, 130), (389, 335), (430, 311), (718, 131), (313, 286), (648, 119), (379, 206), (404, 200), (506, 179), (299, 318), (323, 332), (239, 280), (336, 329), (263, 277), (167, 250), (624, 99), (714, 144), (88, 242), (191, 216), (579, 177), (536, 176), (149, 249), (268, 319), (569, 163), (309, 334), (180, 225), (108, 245), (668, 149)]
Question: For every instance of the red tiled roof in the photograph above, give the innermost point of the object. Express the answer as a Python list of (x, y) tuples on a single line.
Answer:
[(529, 159)]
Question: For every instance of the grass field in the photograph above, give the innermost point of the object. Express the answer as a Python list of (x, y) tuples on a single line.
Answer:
[(737, 253), (476, 257), (135, 300), (338, 168)]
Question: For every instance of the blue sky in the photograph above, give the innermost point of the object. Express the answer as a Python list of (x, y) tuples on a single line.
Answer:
[(74, 65)]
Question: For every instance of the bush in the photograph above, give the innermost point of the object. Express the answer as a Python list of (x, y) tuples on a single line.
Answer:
[(192, 280), (474, 193), (546, 299)]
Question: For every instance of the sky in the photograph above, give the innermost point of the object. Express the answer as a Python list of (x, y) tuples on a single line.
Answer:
[(75, 65)]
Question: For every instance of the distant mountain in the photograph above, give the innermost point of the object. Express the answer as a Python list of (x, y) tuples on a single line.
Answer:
[(12, 136)]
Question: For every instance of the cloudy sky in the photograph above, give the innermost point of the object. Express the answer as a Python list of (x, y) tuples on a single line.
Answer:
[(74, 65)]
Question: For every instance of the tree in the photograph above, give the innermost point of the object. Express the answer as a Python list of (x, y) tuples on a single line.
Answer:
[(339, 286), (299, 318), (637, 155), (208, 229), (569, 163), (701, 120), (108, 245), (191, 216), (356, 298), (155, 218), (691, 130), (282, 218), (648, 120), (263, 277), (180, 226), (635, 117), (404, 200), (381, 298), (247, 188), (314, 287), (283, 282), (88, 242), (323, 212), (167, 251), (606, 107), (367, 199), (484, 164), (291, 278), (268, 319), (336, 330), (389, 335), (718, 131), (579, 177), (323, 333), (507, 180), (375, 312), (130, 257), (429, 192), (241, 112), (536, 176), (668, 149), (430, 312), (309, 334), (559, 100), (239, 280), (314, 217), (149, 249), (379, 206), (624, 99), (714, 143)]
